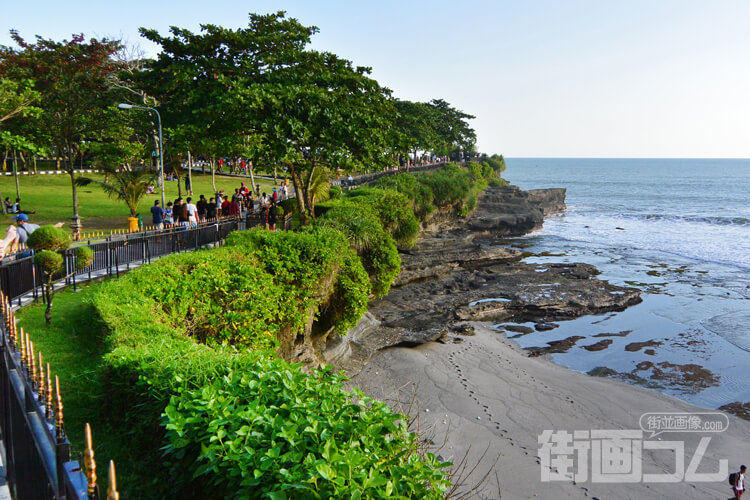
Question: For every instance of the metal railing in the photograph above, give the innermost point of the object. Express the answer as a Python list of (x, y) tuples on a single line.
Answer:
[(37, 451)]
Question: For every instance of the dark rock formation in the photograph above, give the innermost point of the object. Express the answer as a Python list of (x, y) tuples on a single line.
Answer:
[(509, 211), (455, 275)]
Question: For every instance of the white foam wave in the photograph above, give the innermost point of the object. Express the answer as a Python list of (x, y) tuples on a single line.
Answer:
[(696, 239)]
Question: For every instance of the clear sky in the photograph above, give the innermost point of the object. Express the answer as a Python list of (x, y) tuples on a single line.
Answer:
[(575, 78)]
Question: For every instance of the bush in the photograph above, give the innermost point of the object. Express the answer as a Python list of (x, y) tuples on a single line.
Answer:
[(497, 162), (236, 421), (274, 432), (84, 257), (51, 263), (419, 194), (49, 238), (450, 185), (394, 210), (376, 248), (334, 192)]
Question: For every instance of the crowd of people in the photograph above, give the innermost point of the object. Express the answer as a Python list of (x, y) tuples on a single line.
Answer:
[(244, 200)]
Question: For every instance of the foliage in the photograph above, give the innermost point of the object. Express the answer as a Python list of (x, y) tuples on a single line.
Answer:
[(497, 162), (420, 195), (450, 185), (434, 127), (49, 262), (327, 444), (334, 192), (376, 248), (84, 257), (393, 209), (49, 238), (72, 79), (239, 422)]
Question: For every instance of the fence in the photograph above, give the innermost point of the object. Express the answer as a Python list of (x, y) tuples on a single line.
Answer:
[(18, 278), (37, 451)]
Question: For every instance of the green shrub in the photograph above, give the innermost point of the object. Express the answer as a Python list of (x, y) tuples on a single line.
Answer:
[(275, 432), (49, 238), (51, 263), (84, 257), (498, 182), (419, 194), (450, 185), (497, 162), (376, 248), (334, 192), (394, 210), (236, 421)]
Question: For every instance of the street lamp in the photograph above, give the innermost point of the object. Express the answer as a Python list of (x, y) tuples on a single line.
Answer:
[(123, 105)]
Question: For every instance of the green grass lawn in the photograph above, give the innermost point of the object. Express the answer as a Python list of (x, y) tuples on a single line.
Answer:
[(73, 347), (50, 196)]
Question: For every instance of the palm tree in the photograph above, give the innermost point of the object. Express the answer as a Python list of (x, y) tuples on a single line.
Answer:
[(320, 184), (126, 184)]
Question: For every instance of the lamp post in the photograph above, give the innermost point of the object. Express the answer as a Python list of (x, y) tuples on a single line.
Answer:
[(161, 145)]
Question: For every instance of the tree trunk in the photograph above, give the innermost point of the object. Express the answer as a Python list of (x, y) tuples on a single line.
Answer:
[(15, 174), (213, 175), (252, 176), (275, 179), (75, 192), (300, 199), (176, 169), (190, 173), (5, 160), (36, 172), (306, 193), (48, 311)]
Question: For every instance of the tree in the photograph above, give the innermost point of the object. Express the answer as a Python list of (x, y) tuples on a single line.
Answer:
[(414, 126), (49, 243), (454, 133), (260, 87), (73, 81)]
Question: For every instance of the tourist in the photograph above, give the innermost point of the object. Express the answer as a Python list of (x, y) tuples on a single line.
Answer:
[(169, 214), (202, 207), (17, 208), (192, 211), (9, 207), (157, 216), (211, 209), (275, 195), (272, 216), (9, 244), (25, 228), (244, 191), (225, 208), (739, 483), (236, 196)]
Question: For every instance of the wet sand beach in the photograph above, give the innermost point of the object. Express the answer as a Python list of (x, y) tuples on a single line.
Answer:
[(482, 393)]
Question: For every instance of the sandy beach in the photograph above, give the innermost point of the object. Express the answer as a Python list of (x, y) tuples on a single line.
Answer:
[(481, 393)]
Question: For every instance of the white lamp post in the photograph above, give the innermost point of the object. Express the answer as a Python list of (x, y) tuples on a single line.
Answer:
[(161, 145)]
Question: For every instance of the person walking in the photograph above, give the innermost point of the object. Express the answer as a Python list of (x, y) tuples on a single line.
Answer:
[(739, 483), (157, 215), (168, 214), (202, 207), (192, 211), (211, 209), (272, 213)]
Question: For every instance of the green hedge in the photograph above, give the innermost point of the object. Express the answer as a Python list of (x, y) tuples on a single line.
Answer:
[(375, 247), (191, 370)]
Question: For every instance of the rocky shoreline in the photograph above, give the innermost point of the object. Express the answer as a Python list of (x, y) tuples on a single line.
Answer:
[(458, 272)]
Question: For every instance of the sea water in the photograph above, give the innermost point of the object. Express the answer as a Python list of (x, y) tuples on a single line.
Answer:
[(678, 229)]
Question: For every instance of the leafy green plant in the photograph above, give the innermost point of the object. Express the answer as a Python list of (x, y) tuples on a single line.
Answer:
[(275, 432), (50, 242)]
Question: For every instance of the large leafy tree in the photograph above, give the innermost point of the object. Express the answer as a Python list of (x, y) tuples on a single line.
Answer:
[(415, 126), (73, 81), (451, 125), (262, 89)]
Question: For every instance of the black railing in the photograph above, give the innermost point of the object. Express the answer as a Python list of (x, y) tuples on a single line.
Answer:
[(37, 451), (18, 278)]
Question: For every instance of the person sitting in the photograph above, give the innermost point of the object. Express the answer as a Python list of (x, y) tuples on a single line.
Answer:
[(17, 208), (9, 207)]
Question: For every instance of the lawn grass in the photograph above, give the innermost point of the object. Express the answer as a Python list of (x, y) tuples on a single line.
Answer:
[(50, 196), (73, 346)]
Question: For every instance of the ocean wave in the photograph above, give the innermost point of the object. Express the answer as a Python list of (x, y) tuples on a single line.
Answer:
[(693, 237)]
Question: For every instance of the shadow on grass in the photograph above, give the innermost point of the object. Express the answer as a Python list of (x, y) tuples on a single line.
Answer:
[(73, 345)]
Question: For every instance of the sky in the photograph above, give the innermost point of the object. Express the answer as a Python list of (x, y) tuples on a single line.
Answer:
[(556, 78)]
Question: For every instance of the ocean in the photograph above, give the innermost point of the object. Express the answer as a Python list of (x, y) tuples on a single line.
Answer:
[(678, 229)]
